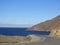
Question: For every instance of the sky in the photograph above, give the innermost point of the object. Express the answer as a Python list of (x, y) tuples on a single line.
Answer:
[(25, 13)]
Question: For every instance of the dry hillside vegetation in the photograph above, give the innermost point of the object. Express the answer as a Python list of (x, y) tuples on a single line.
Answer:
[(47, 25)]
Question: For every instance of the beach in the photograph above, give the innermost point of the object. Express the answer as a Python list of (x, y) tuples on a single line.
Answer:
[(47, 41)]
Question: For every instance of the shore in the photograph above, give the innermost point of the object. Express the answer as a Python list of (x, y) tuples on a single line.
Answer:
[(14, 39), (20, 39), (43, 40)]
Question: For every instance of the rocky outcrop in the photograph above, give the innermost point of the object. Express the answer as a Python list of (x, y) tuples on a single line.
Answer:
[(58, 33), (55, 33)]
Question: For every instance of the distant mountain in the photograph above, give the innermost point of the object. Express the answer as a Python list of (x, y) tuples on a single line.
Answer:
[(47, 25)]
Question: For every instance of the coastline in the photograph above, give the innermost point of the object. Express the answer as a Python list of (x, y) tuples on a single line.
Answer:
[(21, 39), (47, 41)]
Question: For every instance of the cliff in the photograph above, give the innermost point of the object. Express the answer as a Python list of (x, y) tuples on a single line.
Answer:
[(47, 25)]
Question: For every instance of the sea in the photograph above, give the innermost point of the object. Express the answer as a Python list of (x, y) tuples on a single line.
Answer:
[(20, 32)]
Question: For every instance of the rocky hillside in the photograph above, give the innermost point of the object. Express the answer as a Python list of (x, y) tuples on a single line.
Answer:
[(47, 25)]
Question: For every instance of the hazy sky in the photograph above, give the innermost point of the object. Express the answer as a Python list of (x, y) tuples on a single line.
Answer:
[(27, 12)]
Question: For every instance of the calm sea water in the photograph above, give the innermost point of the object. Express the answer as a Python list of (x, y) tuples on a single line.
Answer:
[(20, 32)]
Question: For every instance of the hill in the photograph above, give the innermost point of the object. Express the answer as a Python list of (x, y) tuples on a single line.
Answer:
[(47, 25)]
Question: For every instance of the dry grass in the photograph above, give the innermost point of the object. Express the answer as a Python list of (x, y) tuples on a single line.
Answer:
[(14, 39)]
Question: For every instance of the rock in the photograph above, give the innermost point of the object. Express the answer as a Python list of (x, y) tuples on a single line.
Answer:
[(55, 33)]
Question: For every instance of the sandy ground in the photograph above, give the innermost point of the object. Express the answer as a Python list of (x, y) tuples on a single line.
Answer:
[(46, 41)]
